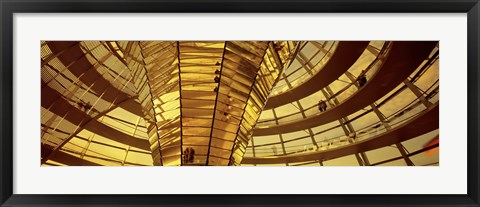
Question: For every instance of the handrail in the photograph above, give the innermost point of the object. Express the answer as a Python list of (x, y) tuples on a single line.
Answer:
[(342, 59), (383, 51), (427, 65), (276, 91), (413, 104), (409, 54), (417, 100), (427, 121)]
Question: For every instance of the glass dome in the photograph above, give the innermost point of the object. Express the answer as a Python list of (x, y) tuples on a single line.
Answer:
[(244, 103)]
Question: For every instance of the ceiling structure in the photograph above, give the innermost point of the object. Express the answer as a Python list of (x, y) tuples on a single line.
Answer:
[(136, 103)]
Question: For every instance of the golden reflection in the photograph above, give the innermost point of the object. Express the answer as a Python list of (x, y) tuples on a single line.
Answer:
[(172, 103)]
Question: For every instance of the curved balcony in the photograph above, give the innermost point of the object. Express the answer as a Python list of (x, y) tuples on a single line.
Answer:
[(424, 122), (402, 60), (342, 59), (84, 82), (90, 72), (337, 91), (362, 121), (94, 107), (309, 59)]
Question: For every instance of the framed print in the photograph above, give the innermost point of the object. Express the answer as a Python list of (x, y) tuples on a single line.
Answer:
[(200, 103)]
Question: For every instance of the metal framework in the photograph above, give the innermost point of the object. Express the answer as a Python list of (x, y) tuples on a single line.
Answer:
[(160, 102)]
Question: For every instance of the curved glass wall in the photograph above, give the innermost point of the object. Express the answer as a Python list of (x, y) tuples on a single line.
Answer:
[(339, 90), (105, 103), (198, 101), (402, 104), (309, 60)]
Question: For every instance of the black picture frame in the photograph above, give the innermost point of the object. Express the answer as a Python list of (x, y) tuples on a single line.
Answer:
[(10, 7)]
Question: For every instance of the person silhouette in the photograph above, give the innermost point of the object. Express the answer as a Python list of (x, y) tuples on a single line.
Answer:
[(274, 149), (192, 155), (322, 105), (186, 154), (362, 79)]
